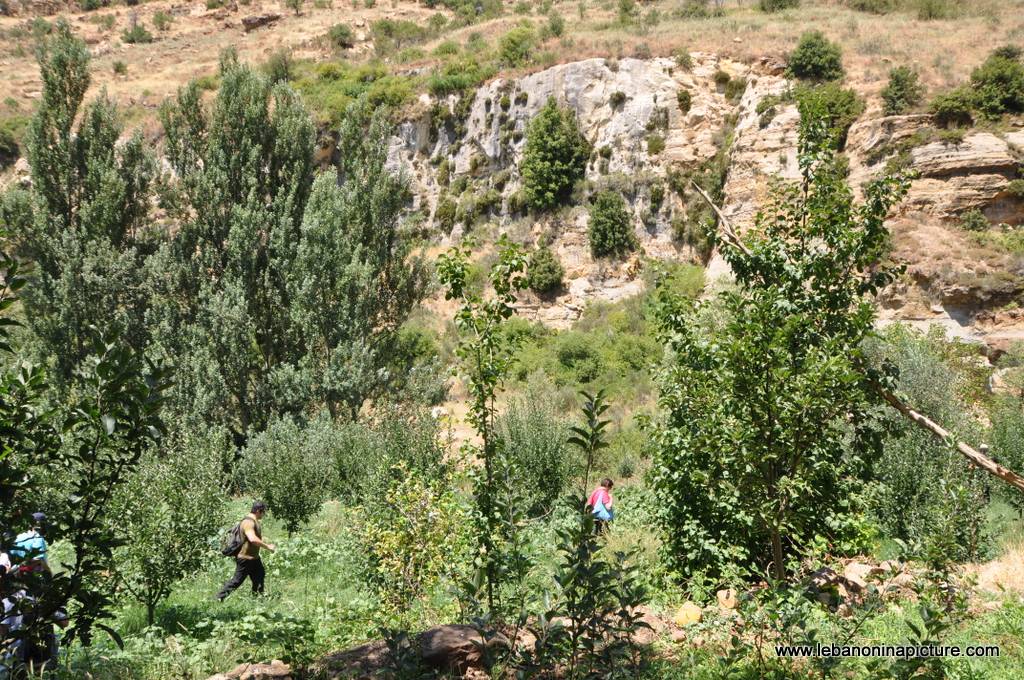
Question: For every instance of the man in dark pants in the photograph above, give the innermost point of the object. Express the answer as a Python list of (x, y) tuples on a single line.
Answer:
[(248, 563)]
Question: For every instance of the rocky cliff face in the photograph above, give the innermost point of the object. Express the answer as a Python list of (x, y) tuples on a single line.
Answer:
[(967, 281)]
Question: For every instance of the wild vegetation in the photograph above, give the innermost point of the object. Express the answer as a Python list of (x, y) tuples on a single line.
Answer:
[(196, 322)]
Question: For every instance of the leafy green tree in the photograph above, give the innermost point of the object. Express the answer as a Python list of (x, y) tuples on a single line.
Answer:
[(766, 430), (412, 542), (167, 513), (288, 470), (355, 279), (486, 356), (998, 84), (611, 226), (554, 158), (534, 438), (277, 295), (220, 289), (816, 58), (590, 437), (85, 229), (903, 91), (544, 271)]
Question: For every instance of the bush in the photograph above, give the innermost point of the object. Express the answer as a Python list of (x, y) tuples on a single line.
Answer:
[(136, 33), (998, 86), (278, 67), (928, 496), (416, 533), (837, 106), (516, 47), (873, 6), (937, 9), (555, 26), (289, 467), (974, 220), (953, 108), (535, 439), (611, 226), (554, 158), (903, 92), (9, 150), (816, 58), (777, 5), (1016, 188), (342, 37), (162, 20), (655, 144), (684, 99), (86, 5), (617, 99), (544, 271), (683, 59), (120, 68)]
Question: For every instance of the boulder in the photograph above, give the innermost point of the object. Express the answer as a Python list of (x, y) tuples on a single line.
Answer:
[(979, 153), (456, 648), (687, 614), (860, 574), (275, 670), (251, 23), (727, 599)]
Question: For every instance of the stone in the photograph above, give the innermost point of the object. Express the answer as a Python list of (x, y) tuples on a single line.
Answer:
[(251, 23), (276, 670), (727, 599), (859, 574), (689, 613), (455, 648)]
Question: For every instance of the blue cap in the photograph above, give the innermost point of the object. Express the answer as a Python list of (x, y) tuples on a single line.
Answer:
[(38, 517)]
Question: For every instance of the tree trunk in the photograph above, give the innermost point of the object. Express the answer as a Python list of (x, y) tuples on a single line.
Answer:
[(150, 612), (778, 561)]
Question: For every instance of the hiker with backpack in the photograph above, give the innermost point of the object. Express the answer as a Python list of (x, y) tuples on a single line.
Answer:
[(244, 543), (600, 505)]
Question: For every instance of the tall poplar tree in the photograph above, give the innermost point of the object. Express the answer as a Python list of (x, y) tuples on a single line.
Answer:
[(84, 226)]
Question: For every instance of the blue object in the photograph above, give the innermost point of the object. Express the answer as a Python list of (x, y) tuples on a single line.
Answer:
[(603, 513), (29, 545)]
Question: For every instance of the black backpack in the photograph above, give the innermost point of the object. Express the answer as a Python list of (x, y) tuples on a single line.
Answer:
[(231, 543)]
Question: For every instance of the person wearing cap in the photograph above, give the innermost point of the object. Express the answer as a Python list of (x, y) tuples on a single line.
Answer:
[(30, 547), (248, 563)]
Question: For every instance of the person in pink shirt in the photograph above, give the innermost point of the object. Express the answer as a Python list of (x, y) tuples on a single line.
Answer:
[(600, 504)]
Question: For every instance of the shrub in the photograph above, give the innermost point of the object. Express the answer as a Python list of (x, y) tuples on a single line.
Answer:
[(162, 20), (1016, 188), (684, 100), (683, 59), (342, 37), (872, 6), (937, 9), (120, 68), (391, 35), (816, 58), (611, 226), (655, 144), (837, 106), (903, 92), (721, 78), (554, 158), (136, 33), (86, 5), (415, 534), (1011, 52), (544, 271), (9, 150), (952, 108), (289, 467), (516, 47), (278, 67), (974, 220), (555, 26), (735, 88), (617, 99), (447, 48), (777, 5), (998, 86), (535, 439)]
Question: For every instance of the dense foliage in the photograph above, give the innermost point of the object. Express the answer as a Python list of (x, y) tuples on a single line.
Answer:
[(554, 158), (903, 91), (765, 433), (544, 271), (816, 58), (610, 231)]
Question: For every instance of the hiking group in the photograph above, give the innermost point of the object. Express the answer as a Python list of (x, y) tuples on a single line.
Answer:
[(28, 642)]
